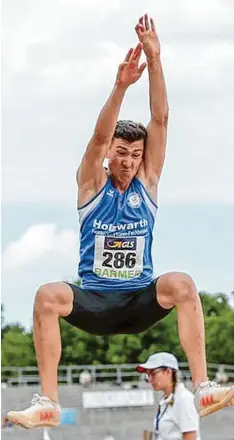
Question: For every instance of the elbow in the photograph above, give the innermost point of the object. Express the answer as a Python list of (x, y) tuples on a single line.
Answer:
[(160, 117)]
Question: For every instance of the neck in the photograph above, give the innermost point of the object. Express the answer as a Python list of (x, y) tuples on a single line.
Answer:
[(168, 390), (121, 186)]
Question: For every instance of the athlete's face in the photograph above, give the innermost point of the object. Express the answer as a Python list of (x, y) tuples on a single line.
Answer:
[(125, 159)]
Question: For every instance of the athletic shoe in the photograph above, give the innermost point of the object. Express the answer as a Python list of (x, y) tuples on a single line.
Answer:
[(211, 397), (42, 412)]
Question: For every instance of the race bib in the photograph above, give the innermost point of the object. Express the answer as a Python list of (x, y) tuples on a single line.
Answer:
[(118, 257)]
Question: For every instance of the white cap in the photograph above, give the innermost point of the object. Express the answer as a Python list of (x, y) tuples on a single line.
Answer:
[(158, 360)]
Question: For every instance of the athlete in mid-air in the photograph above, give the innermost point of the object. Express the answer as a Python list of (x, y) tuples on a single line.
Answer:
[(117, 208)]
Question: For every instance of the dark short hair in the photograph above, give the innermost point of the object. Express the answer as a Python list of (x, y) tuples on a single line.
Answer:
[(130, 131)]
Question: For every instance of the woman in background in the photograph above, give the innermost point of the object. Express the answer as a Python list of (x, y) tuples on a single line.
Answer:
[(176, 418)]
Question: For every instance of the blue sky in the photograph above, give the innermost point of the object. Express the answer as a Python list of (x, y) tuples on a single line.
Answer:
[(59, 63)]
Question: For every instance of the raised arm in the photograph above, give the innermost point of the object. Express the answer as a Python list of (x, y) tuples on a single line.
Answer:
[(190, 435), (91, 175), (157, 127)]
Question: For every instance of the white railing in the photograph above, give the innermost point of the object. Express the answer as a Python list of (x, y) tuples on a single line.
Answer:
[(114, 373)]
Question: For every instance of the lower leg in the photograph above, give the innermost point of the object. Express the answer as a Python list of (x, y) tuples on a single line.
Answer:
[(178, 289), (52, 300), (192, 334)]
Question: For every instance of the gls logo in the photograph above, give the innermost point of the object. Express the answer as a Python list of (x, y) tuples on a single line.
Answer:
[(120, 243)]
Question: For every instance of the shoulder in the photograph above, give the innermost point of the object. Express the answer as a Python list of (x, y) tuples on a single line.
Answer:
[(88, 194), (150, 198), (150, 186), (182, 394), (185, 411)]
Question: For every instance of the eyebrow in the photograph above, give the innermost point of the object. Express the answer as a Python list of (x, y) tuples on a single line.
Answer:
[(139, 150)]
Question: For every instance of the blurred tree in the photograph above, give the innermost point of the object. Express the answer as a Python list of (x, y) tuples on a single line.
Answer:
[(80, 348), (17, 347)]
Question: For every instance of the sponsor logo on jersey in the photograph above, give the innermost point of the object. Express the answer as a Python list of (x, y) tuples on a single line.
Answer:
[(120, 243), (98, 224), (134, 200), (117, 274)]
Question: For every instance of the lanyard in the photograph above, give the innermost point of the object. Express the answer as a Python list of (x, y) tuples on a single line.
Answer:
[(159, 416)]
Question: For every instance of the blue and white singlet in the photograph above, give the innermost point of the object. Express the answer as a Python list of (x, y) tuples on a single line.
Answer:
[(116, 233)]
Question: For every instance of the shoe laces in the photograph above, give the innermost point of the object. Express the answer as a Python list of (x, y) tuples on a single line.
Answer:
[(209, 384), (37, 399)]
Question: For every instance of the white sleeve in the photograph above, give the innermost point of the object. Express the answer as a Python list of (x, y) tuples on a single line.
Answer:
[(187, 416)]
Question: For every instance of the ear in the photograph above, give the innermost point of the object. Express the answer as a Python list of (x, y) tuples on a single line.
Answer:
[(108, 151)]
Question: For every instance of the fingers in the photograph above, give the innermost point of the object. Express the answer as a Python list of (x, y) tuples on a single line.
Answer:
[(141, 21), (142, 67), (135, 56), (147, 26), (144, 24), (127, 58), (152, 25), (139, 28)]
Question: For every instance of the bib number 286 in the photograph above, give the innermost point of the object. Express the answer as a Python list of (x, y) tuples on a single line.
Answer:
[(118, 257)]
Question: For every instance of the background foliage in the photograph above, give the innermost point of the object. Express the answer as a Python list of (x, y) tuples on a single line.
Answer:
[(81, 348)]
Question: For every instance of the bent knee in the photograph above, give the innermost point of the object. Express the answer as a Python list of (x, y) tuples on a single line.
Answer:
[(176, 287), (183, 288), (54, 298)]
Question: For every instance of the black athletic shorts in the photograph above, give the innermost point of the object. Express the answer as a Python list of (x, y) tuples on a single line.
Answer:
[(108, 313)]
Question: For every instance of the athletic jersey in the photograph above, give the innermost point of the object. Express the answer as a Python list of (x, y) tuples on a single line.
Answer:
[(116, 233)]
